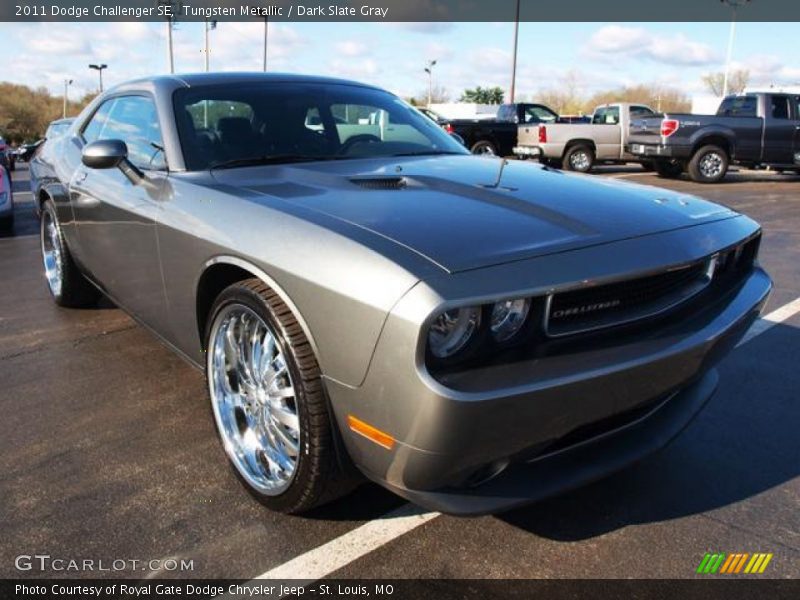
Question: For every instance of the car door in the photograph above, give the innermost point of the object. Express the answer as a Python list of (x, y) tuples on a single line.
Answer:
[(116, 216), (779, 133)]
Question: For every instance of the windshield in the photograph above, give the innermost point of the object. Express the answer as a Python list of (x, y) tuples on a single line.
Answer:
[(290, 122)]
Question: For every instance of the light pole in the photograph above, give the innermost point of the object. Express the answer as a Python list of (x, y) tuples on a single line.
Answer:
[(208, 27), (67, 82), (171, 13), (429, 71), (514, 57), (266, 32), (734, 4), (99, 69)]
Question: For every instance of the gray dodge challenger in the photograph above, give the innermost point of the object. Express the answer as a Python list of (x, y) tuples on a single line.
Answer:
[(367, 298)]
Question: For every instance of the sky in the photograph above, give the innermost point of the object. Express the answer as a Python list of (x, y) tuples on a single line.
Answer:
[(393, 55)]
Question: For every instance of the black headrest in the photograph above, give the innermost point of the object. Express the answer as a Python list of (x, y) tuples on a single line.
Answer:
[(234, 128)]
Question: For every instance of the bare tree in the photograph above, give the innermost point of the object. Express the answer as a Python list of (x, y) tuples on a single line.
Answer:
[(438, 93), (655, 96), (737, 81)]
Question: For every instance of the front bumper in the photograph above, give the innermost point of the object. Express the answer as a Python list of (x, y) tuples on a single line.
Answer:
[(452, 432)]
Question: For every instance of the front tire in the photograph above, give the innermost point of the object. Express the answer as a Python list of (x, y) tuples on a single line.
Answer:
[(66, 283), (268, 400), (708, 165), (579, 158)]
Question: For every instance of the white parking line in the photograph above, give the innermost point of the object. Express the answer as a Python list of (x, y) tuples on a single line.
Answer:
[(339, 552)]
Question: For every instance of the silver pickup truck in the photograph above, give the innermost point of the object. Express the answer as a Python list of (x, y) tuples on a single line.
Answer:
[(579, 146)]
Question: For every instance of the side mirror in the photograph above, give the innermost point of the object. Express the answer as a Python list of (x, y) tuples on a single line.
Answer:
[(458, 138), (104, 154)]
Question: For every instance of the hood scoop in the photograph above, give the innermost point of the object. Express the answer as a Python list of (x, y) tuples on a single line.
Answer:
[(380, 183)]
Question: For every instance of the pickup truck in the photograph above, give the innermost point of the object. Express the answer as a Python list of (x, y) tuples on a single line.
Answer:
[(579, 146), (498, 136), (755, 130)]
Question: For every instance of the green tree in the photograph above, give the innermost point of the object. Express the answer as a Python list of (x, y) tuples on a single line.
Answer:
[(479, 95)]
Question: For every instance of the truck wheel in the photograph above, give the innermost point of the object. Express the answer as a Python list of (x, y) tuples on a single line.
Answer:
[(648, 166), (268, 400), (708, 165), (66, 283), (484, 147), (668, 169), (580, 158)]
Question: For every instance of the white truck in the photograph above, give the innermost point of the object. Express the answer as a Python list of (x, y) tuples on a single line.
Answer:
[(580, 146)]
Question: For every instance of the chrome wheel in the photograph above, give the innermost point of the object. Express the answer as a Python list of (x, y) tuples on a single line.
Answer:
[(253, 398), (711, 165), (51, 253), (484, 149), (579, 161)]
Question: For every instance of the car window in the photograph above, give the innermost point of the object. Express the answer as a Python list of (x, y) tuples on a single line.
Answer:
[(91, 131), (738, 106), (538, 114), (779, 107), (134, 120), (606, 115), (299, 121), (639, 112)]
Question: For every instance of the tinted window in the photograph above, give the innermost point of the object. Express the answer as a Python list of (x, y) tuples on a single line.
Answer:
[(780, 107), (738, 106), (133, 119), (301, 121), (639, 112)]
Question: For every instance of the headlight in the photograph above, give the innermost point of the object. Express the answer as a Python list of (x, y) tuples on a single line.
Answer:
[(508, 317), (452, 330)]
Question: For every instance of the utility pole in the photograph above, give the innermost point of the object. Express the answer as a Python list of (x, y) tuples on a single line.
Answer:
[(266, 32), (67, 83), (429, 71), (99, 69), (514, 58), (209, 25), (172, 9), (734, 4)]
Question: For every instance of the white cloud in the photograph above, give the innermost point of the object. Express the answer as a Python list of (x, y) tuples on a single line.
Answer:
[(636, 42), (350, 48)]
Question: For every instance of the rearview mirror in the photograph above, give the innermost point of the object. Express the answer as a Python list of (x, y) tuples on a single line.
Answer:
[(104, 154)]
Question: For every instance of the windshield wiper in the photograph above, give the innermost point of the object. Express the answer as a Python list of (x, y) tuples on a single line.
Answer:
[(427, 153), (272, 159)]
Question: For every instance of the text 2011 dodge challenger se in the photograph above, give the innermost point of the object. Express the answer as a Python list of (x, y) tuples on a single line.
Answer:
[(471, 333)]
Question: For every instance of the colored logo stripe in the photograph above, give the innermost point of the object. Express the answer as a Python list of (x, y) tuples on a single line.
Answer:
[(734, 563)]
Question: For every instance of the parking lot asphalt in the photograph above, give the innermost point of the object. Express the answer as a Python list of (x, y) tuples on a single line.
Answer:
[(108, 451)]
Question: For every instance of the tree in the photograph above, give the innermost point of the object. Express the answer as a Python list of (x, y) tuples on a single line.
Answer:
[(479, 95), (439, 94), (737, 81), (25, 112), (657, 97), (566, 99)]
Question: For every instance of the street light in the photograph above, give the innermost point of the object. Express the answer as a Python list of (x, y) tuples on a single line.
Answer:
[(99, 69), (175, 8), (734, 4), (67, 82), (429, 71), (208, 27), (514, 58)]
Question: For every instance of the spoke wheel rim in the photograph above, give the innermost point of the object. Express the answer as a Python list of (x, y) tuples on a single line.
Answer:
[(711, 164), (485, 149), (51, 253), (254, 399), (579, 161)]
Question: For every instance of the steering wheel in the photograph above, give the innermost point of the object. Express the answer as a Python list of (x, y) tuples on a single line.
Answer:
[(362, 138)]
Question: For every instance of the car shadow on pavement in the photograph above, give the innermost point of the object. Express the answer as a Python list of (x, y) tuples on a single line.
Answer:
[(743, 444)]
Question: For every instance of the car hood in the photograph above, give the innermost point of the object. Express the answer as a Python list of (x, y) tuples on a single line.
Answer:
[(466, 212)]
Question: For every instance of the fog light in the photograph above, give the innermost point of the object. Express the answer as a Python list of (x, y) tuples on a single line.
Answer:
[(452, 330), (508, 317)]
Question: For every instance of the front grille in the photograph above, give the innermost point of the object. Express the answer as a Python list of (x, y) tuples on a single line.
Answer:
[(608, 305)]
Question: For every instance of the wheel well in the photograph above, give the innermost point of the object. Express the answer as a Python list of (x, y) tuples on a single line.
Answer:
[(43, 197), (579, 142), (213, 280), (713, 141)]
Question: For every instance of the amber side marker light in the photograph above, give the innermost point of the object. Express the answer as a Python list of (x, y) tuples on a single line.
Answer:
[(370, 432)]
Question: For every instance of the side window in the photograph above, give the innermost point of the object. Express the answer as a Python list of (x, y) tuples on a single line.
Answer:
[(780, 107), (738, 106), (537, 114), (607, 115), (92, 130), (133, 119), (639, 112)]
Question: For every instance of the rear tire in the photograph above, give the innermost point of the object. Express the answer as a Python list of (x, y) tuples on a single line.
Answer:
[(579, 158), (668, 169), (648, 166), (484, 147), (66, 283), (268, 401), (708, 165)]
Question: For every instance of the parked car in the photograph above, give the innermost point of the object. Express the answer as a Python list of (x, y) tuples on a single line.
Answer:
[(580, 146), (55, 130), (8, 157), (755, 130), (58, 127), (499, 136), (6, 202), (434, 116), (471, 333)]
